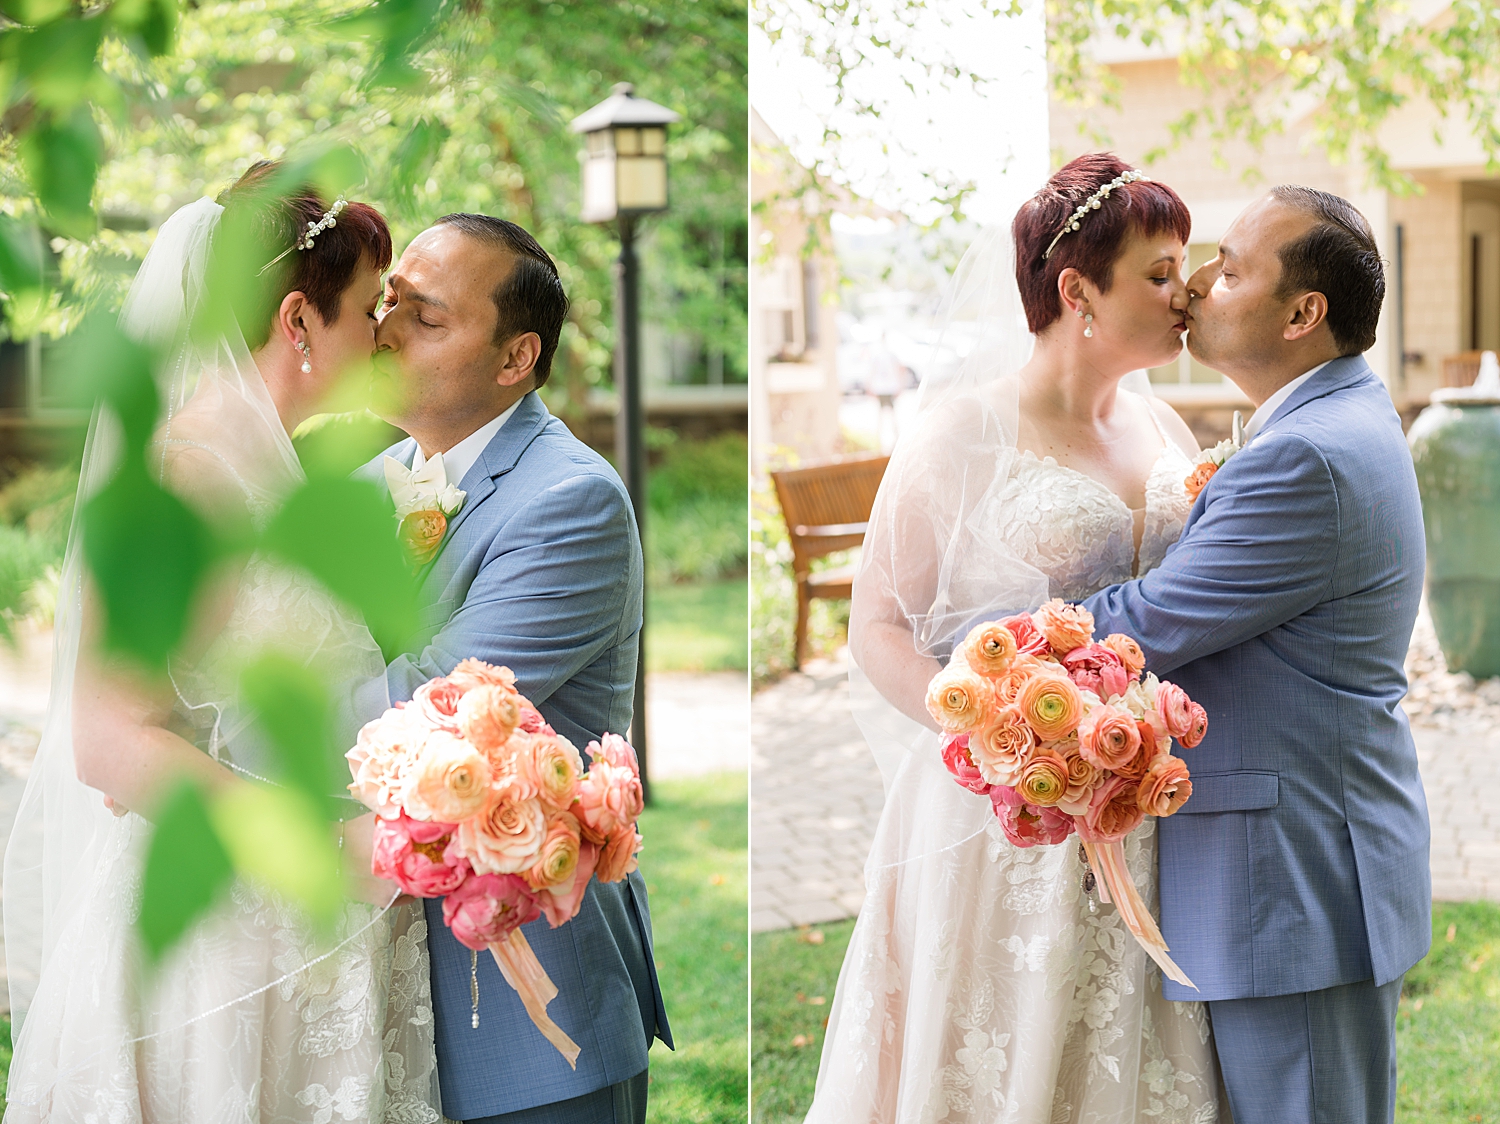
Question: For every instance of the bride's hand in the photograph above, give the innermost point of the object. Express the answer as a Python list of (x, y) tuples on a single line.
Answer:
[(358, 846)]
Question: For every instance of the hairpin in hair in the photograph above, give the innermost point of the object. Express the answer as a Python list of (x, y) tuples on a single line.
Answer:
[(305, 242), (1092, 204)]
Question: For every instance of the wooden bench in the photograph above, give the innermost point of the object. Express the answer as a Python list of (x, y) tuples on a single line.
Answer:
[(827, 509)]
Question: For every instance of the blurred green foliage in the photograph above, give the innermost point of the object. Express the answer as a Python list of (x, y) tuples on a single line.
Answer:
[(696, 495)]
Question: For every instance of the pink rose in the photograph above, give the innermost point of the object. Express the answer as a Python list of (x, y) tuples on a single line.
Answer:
[(1029, 638), (617, 856), (1174, 708), (436, 701), (956, 757), (1095, 668), (1108, 737), (488, 908), (473, 673), (609, 796), (558, 855), (560, 903), (1197, 727), (417, 856), (507, 837), (448, 781), (1114, 812), (1026, 825)]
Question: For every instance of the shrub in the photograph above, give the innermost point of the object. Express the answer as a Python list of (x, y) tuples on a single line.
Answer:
[(696, 522)]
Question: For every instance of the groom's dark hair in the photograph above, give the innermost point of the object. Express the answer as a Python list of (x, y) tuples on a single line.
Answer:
[(530, 297), (1338, 257)]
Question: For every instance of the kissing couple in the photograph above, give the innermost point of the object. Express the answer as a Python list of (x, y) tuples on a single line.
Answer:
[(539, 569), (1276, 579)]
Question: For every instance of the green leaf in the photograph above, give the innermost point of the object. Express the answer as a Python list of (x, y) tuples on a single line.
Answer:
[(62, 162), (292, 705), (99, 363), (147, 552), (186, 867), (277, 837), (155, 21), (401, 27), (415, 156), (56, 62), (34, 12), (22, 281)]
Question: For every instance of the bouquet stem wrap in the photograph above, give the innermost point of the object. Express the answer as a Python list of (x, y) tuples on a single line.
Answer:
[(524, 972), (1116, 885)]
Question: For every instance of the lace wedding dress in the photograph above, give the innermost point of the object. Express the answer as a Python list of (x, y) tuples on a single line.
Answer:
[(981, 985)]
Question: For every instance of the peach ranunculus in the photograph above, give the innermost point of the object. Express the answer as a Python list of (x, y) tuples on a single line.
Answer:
[(608, 796), (472, 673), (1083, 777), (959, 698), (507, 837), (1001, 747), (1051, 705), (487, 715), (552, 768), (1153, 745), (559, 904), (1108, 737), (436, 703), (559, 854), (1044, 779), (422, 532), (1174, 709), (989, 649), (1113, 813), (1029, 638), (1165, 787), (449, 780), (1064, 625), (617, 855), (1197, 727), (1129, 652), (1198, 479)]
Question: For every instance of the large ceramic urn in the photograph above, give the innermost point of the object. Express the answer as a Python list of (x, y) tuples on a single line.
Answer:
[(1455, 444)]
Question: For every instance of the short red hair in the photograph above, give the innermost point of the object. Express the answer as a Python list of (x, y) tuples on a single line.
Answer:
[(1092, 249), (271, 223)]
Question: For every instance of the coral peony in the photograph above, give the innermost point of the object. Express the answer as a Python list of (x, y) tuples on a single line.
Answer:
[(1129, 652), (506, 838), (1051, 705), (1026, 825), (449, 780), (1064, 625), (1165, 787), (1197, 727), (1114, 812), (1098, 669), (1044, 779), (1029, 638), (559, 854), (989, 649), (1108, 737), (488, 908), (417, 856), (958, 698), (1001, 747), (960, 763)]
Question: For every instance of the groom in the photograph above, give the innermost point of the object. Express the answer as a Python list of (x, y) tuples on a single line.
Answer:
[(1294, 883), (540, 570)]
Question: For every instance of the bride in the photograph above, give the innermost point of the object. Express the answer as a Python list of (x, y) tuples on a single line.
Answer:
[(986, 982), (247, 1018)]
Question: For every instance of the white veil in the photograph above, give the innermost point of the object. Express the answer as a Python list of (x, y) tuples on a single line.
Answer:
[(217, 411)]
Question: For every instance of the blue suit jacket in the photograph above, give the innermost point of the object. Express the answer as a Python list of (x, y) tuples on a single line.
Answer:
[(1300, 861), (541, 571)]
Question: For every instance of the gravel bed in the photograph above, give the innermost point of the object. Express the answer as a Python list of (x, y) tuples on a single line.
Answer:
[(1455, 703)]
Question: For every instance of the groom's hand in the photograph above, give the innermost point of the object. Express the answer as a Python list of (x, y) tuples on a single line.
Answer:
[(359, 845)]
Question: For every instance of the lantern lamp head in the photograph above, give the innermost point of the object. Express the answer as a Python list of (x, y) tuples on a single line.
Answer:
[(624, 156)]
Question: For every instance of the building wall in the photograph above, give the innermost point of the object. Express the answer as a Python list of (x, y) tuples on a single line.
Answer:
[(1432, 236)]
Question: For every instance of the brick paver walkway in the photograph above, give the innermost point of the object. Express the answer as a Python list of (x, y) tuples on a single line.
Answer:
[(816, 796)]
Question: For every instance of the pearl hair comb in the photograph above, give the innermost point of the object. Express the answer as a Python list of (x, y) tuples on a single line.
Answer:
[(1092, 204)]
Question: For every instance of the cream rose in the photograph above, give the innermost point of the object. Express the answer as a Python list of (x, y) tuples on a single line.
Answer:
[(507, 838), (1001, 748)]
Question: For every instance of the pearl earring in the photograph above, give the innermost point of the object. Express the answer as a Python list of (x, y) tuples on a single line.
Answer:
[(1089, 325), (306, 357)]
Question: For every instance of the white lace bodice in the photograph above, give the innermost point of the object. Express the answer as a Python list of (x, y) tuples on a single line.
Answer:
[(1078, 532)]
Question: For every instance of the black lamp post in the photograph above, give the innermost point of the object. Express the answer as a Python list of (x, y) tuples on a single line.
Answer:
[(624, 177)]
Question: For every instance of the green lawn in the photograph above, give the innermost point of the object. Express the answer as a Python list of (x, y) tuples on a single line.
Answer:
[(1447, 1031), (697, 627), (695, 865)]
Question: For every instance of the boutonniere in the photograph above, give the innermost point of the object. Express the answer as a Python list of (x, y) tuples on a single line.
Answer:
[(1211, 460), (425, 501)]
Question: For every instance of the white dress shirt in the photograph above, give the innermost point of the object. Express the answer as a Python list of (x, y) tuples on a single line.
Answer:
[(1273, 403), (458, 460)]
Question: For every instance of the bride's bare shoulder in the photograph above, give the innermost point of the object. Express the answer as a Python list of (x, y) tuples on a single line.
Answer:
[(195, 473), (1177, 429)]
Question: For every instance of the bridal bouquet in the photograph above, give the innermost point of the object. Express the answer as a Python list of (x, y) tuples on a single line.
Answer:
[(1066, 735), (480, 802)]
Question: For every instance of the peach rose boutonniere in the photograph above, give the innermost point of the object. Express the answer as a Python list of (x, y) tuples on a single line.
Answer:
[(425, 501), (1209, 462)]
